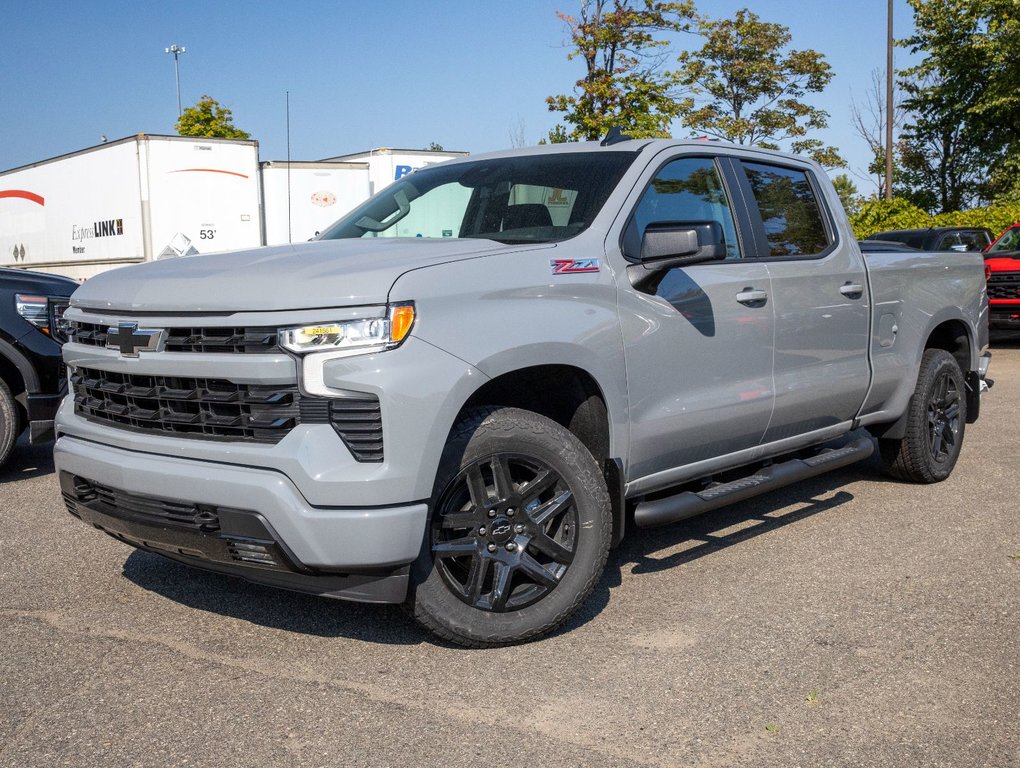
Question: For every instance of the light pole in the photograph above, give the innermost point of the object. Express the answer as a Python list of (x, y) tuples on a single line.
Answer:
[(889, 106), (177, 50)]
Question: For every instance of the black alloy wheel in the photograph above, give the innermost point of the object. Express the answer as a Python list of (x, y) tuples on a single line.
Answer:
[(505, 532), (518, 533), (944, 417)]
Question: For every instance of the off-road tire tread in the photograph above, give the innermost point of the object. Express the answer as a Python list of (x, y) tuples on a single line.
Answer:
[(495, 419)]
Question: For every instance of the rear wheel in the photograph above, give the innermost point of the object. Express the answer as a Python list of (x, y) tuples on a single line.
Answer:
[(519, 531), (10, 422), (936, 419)]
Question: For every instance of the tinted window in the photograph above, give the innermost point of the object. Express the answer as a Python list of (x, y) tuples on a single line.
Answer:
[(789, 210), (688, 189), (519, 199), (963, 241)]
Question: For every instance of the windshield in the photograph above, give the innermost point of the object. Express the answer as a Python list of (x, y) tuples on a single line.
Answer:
[(523, 199), (1008, 241)]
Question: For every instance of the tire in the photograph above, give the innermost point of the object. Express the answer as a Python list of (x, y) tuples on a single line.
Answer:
[(10, 422), (519, 531), (936, 420)]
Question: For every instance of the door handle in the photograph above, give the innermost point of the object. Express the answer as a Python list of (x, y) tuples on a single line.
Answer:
[(752, 297), (852, 290)]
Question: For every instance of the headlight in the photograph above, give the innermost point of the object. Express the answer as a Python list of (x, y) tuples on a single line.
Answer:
[(360, 336), (44, 312)]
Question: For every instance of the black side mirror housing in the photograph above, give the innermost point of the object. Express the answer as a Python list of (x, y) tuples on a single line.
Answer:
[(681, 242), (669, 244)]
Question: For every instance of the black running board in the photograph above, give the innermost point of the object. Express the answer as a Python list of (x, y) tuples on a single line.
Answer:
[(672, 509)]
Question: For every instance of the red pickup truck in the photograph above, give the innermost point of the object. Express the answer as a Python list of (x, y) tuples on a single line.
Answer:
[(1002, 265)]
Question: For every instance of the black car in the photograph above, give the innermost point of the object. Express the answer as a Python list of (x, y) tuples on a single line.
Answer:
[(32, 380), (884, 246), (974, 239)]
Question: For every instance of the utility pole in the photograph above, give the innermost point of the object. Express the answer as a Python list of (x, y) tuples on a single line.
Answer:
[(177, 50), (889, 108)]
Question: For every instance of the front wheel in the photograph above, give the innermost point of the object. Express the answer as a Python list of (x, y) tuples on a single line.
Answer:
[(10, 422), (936, 419), (519, 530)]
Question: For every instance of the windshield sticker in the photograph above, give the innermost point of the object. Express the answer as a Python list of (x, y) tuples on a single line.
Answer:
[(573, 266)]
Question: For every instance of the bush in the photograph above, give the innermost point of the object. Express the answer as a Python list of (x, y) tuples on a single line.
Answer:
[(882, 215)]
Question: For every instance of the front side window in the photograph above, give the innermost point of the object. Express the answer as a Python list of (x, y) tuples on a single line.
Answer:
[(685, 190), (1009, 241), (789, 210), (521, 199)]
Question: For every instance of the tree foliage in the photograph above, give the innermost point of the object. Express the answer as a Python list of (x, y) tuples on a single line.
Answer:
[(965, 103), (848, 194), (751, 86), (625, 83), (898, 213), (210, 120)]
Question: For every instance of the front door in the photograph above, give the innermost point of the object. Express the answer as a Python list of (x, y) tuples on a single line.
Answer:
[(698, 345)]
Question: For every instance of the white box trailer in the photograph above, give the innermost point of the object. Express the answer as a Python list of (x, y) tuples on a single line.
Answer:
[(300, 199), (387, 165), (137, 199)]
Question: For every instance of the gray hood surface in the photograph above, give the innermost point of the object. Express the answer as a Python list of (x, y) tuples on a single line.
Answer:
[(326, 273)]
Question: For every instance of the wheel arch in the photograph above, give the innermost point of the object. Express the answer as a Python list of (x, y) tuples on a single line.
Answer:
[(572, 397)]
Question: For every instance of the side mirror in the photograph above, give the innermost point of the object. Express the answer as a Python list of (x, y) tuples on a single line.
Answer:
[(668, 244)]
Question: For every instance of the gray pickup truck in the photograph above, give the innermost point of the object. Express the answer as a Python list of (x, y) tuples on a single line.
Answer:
[(461, 392)]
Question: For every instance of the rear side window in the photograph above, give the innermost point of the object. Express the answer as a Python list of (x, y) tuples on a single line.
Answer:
[(964, 242), (789, 210)]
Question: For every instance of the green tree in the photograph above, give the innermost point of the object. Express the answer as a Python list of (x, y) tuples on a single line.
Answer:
[(848, 194), (751, 87), (434, 147), (964, 95), (625, 83), (207, 118)]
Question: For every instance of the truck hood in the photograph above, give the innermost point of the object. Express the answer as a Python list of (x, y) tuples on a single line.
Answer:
[(321, 274)]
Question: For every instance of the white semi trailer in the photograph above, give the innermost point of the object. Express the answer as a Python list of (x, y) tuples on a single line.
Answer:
[(136, 199), (146, 197)]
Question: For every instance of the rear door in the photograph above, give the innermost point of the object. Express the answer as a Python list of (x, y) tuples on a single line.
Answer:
[(820, 298)]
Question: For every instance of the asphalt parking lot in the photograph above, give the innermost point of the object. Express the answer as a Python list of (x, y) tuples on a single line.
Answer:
[(847, 621)]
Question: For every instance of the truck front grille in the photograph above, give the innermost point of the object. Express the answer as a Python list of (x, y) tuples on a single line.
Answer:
[(1004, 285), (189, 407), (249, 340)]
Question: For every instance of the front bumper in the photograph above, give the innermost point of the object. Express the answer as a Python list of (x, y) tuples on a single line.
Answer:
[(1004, 318), (42, 410), (238, 543), (141, 496)]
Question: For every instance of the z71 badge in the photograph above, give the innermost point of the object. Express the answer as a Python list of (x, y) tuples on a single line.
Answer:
[(573, 266)]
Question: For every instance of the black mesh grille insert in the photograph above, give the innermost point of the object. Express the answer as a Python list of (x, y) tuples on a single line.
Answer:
[(1004, 285), (202, 518), (231, 340), (359, 424), (175, 405)]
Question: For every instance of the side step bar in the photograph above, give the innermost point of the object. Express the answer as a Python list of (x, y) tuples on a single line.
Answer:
[(672, 509)]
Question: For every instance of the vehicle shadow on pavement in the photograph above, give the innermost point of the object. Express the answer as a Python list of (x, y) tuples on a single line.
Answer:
[(270, 607), (658, 549), (27, 461)]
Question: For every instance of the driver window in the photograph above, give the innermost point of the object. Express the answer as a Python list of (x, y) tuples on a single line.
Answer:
[(688, 189)]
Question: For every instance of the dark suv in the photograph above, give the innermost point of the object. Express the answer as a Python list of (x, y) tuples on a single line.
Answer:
[(32, 380)]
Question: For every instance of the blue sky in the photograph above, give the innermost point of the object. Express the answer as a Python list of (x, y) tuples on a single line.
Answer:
[(386, 73)]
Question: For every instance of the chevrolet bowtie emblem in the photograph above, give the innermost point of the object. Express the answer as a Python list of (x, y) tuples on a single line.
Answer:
[(129, 339)]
